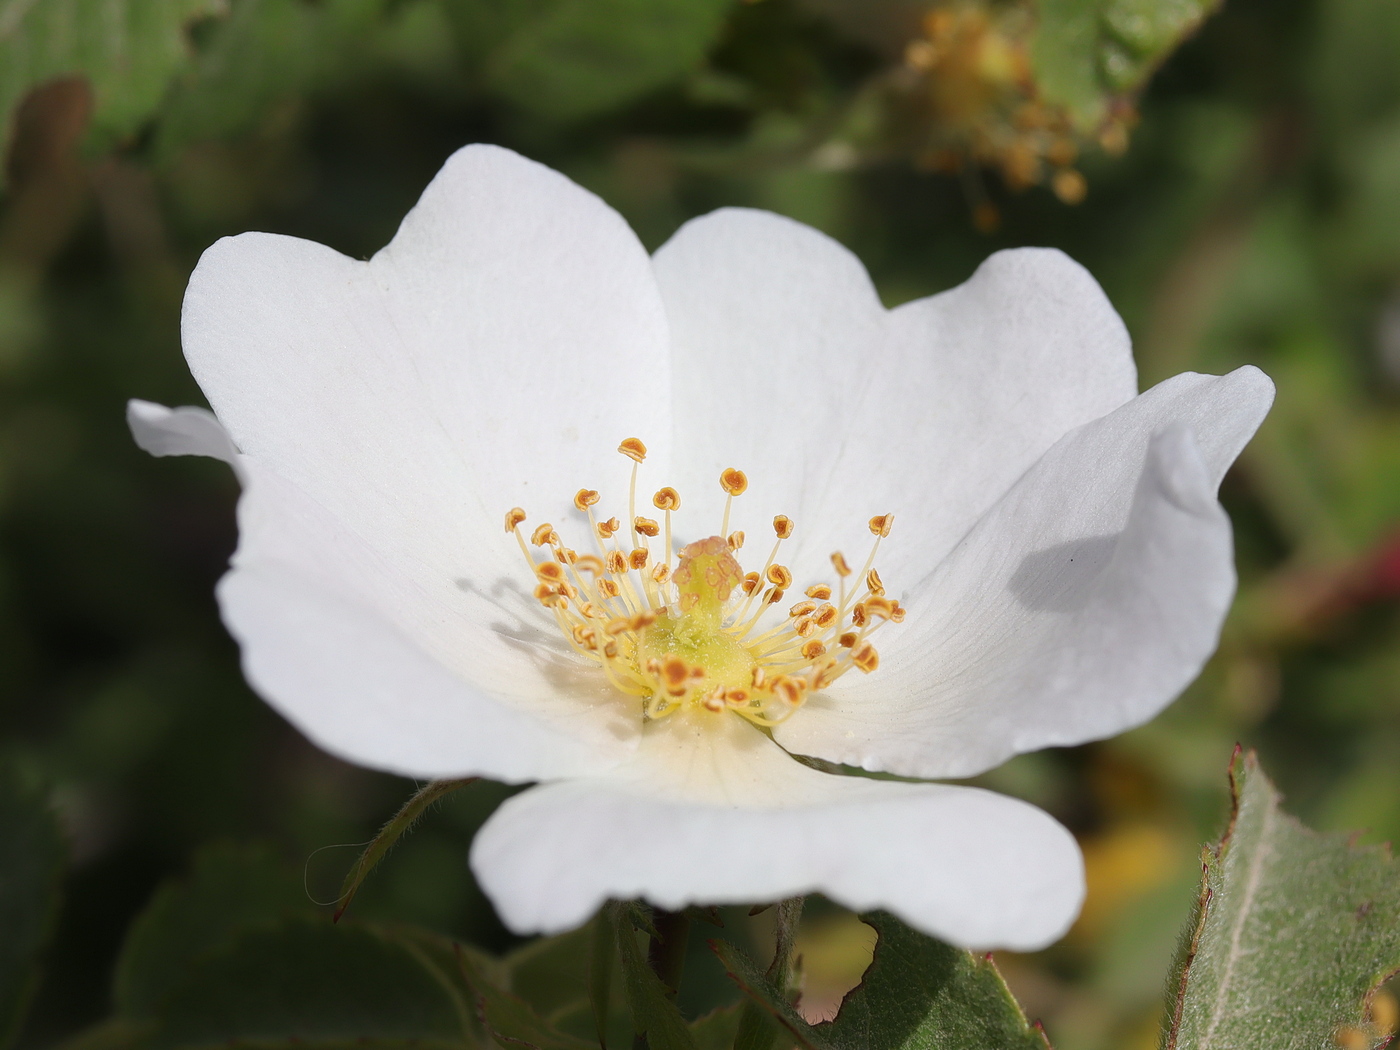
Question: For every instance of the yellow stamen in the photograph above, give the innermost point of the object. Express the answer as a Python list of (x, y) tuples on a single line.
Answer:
[(679, 638)]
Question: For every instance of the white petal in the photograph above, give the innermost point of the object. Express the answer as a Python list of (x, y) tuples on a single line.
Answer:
[(1082, 604), (787, 366), (772, 325), (718, 814), (492, 355), (437, 682), (319, 617), (185, 431)]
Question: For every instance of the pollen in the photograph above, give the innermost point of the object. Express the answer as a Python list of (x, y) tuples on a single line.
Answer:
[(688, 627), (633, 449)]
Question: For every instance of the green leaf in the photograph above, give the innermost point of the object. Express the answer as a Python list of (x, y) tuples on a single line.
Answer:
[(578, 58), (399, 825), (509, 1019), (116, 1033), (268, 53), (1086, 52), (568, 980), (551, 973), (600, 969), (1292, 933), (229, 888), (756, 1028), (654, 1011), (311, 982), (719, 1029), (917, 993), (130, 51), (31, 864)]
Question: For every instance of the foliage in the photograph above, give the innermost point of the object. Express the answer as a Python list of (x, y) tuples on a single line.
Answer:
[(399, 824), (1086, 52), (1293, 934), (1252, 219), (918, 992), (31, 859), (129, 50)]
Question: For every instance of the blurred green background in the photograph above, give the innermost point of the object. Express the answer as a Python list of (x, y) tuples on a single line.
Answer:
[(1233, 184)]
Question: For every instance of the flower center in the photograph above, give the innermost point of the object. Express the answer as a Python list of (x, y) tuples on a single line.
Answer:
[(689, 628)]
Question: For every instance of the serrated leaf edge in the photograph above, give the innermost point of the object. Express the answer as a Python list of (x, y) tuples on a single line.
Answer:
[(1246, 762)]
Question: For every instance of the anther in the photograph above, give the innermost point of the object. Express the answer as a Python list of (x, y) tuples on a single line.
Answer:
[(549, 571), (881, 607), (666, 499), (735, 540), (661, 573), (585, 498), (565, 556), (838, 561), (825, 616), (544, 536), (675, 675), (847, 640), (897, 613), (782, 525), (734, 481), (617, 563), (802, 609), (608, 529), (633, 449), (548, 596), (881, 524), (752, 581), (775, 596), (643, 619), (873, 581), (589, 563), (514, 517), (826, 673), (780, 576), (638, 558), (866, 658), (813, 649), (646, 527), (609, 588), (790, 690), (618, 625), (805, 628), (821, 592)]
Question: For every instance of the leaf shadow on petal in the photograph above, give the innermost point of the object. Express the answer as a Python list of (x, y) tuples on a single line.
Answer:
[(1060, 578)]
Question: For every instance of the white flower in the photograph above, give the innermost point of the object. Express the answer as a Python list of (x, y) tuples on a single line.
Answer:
[(1058, 546)]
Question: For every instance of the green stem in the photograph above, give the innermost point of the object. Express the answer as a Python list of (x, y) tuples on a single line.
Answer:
[(757, 1030), (666, 955), (398, 825), (667, 952)]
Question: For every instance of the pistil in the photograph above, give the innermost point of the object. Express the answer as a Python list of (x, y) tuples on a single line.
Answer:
[(682, 638)]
